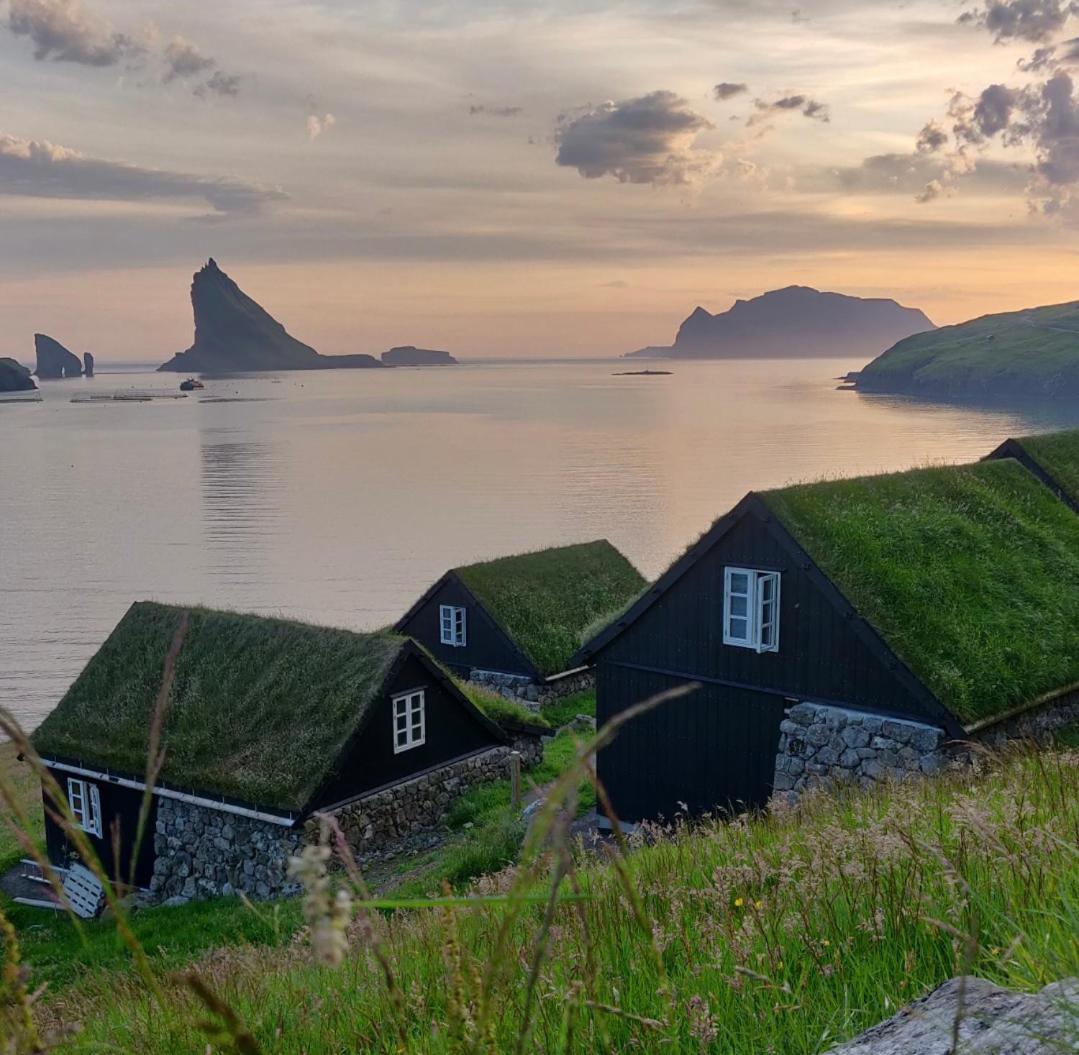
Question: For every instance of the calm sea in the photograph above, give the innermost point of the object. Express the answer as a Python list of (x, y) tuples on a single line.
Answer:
[(338, 497)]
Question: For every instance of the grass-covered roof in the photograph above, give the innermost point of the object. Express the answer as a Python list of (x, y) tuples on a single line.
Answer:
[(260, 708), (1058, 454), (545, 600), (970, 574)]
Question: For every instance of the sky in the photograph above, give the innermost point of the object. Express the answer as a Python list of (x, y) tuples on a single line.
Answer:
[(526, 177)]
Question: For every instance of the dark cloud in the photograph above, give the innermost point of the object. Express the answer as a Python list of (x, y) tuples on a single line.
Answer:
[(931, 138), (1033, 20), (994, 109), (728, 90), (803, 104), (39, 169), (494, 111), (62, 31), (185, 61), (642, 140)]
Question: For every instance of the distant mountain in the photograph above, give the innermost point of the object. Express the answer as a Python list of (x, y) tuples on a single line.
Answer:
[(14, 377), (1014, 355), (410, 355), (54, 361), (234, 334), (792, 323)]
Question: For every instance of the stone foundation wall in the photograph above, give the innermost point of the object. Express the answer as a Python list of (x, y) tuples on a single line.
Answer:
[(377, 821), (819, 744), (1037, 724), (201, 852), (529, 693)]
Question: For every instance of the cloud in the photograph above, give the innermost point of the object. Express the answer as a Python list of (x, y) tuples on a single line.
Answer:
[(811, 108), (643, 140), (1032, 20), (494, 111), (316, 125), (931, 138), (63, 31), (728, 90), (911, 173), (39, 169)]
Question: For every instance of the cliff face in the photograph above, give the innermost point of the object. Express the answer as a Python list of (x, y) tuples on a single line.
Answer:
[(88, 364), (14, 377), (54, 361), (410, 355), (234, 334), (793, 323)]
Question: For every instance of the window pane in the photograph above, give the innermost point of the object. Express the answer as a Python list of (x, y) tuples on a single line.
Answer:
[(739, 605), (739, 582), (768, 587), (737, 629)]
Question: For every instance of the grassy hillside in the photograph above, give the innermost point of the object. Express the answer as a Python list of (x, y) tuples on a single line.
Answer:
[(780, 934), (1032, 353)]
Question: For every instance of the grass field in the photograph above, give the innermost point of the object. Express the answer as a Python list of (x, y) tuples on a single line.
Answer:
[(59, 955), (1024, 353)]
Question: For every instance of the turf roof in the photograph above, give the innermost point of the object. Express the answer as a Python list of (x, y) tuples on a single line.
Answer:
[(1058, 454), (969, 573), (545, 600), (260, 708)]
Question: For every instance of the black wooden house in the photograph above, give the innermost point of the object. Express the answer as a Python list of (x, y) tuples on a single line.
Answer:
[(267, 722), (1053, 457), (522, 616), (944, 596)]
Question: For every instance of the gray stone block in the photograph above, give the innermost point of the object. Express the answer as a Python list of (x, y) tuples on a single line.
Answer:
[(855, 736)]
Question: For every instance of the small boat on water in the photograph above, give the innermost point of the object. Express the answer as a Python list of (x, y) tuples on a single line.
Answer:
[(190, 385)]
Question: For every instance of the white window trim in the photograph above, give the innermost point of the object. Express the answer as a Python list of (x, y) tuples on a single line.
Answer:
[(452, 623), (755, 603), (84, 801), (411, 705)]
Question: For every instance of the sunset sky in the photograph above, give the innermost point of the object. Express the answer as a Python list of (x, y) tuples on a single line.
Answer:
[(558, 177)]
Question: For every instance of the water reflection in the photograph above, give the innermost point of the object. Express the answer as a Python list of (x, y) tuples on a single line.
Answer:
[(241, 509)]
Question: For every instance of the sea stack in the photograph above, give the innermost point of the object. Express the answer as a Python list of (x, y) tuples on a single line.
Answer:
[(14, 377), (54, 361), (235, 334), (410, 355), (88, 364)]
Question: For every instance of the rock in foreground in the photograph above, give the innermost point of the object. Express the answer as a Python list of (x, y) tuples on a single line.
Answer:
[(410, 355), (54, 361), (14, 377), (994, 1022), (792, 323), (235, 334)]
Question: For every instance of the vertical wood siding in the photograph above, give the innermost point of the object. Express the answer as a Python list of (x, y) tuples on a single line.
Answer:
[(487, 646), (451, 731), (717, 747), (121, 806)]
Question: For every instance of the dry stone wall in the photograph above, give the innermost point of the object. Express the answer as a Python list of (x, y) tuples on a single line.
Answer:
[(202, 852), (529, 693), (378, 821), (819, 744)]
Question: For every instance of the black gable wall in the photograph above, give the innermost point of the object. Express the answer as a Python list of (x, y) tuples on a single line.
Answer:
[(820, 655), (452, 730), (716, 748), (487, 647)]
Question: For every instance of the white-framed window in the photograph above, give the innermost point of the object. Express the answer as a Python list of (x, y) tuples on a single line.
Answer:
[(751, 609), (409, 721), (452, 619), (85, 802)]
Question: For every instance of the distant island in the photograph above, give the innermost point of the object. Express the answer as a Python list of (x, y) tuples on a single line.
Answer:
[(410, 355), (55, 362), (1015, 355), (794, 322), (235, 334), (14, 377)]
